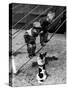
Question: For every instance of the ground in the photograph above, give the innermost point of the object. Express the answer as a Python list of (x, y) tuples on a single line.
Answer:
[(56, 68)]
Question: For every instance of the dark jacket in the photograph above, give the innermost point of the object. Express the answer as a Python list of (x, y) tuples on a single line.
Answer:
[(44, 24)]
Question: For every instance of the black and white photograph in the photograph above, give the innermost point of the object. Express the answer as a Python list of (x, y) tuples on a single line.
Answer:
[(37, 44)]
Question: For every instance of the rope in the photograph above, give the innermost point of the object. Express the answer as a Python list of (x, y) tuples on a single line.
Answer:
[(53, 20), (24, 16), (32, 21), (19, 48), (52, 23), (49, 25), (56, 18), (59, 15), (26, 62), (57, 30), (40, 48)]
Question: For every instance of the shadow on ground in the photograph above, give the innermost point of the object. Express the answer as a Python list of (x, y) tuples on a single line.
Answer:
[(47, 59)]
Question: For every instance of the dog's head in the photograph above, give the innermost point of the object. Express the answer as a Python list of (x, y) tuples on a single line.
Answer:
[(41, 58), (42, 55)]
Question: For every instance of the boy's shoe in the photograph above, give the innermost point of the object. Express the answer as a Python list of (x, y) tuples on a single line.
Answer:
[(43, 44), (33, 54), (46, 41), (30, 56)]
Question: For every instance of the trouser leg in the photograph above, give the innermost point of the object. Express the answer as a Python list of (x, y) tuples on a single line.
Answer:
[(43, 38), (31, 49)]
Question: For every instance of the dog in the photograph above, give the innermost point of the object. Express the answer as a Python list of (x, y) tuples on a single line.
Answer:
[(42, 75)]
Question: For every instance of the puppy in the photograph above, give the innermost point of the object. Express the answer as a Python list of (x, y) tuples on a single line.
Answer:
[(41, 76)]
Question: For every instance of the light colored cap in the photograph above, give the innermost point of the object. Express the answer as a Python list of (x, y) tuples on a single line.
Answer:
[(36, 24)]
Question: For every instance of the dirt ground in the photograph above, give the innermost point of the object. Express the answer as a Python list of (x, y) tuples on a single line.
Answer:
[(56, 68)]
